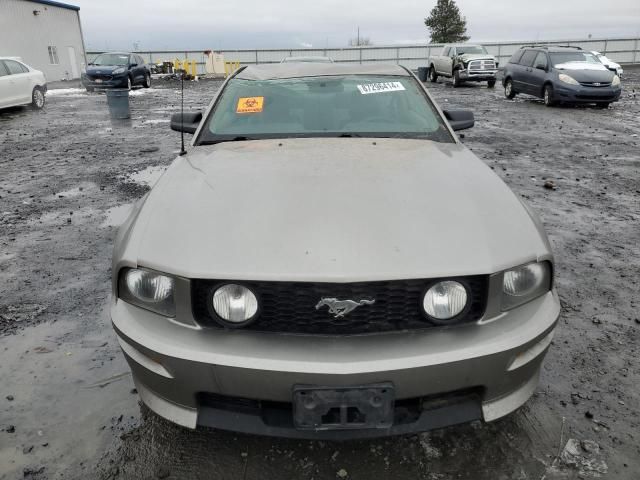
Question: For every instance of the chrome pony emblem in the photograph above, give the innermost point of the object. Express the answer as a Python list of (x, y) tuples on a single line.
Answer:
[(339, 308)]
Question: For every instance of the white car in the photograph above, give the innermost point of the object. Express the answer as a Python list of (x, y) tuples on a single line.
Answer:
[(20, 84), (611, 65)]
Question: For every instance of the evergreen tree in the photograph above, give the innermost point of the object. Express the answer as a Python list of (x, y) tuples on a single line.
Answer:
[(445, 23)]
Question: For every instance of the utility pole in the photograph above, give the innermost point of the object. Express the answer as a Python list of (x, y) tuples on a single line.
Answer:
[(358, 38)]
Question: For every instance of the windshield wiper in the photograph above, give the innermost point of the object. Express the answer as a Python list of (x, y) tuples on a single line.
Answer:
[(239, 138)]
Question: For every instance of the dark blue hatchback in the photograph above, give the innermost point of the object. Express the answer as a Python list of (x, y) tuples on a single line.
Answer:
[(560, 75), (116, 70)]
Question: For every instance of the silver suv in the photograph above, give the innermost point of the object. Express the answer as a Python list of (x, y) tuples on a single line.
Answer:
[(329, 261)]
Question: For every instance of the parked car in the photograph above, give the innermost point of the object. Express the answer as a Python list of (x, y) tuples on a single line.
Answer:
[(116, 70), (610, 64), (316, 59), (560, 75), (21, 84), (463, 63), (330, 261)]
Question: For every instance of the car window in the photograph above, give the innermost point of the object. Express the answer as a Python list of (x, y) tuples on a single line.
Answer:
[(140, 60), (528, 57), (515, 58), (111, 59), (445, 52), (3, 69), (15, 67), (541, 60), (353, 105)]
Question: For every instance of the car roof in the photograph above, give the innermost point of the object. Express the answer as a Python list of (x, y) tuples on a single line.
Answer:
[(554, 48), (295, 70), (308, 58)]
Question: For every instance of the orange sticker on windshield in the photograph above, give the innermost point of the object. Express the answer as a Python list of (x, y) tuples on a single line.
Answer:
[(250, 105)]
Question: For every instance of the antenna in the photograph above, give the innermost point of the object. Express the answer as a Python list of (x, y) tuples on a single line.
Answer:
[(182, 150)]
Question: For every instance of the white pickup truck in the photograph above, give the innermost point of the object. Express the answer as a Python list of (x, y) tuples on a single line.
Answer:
[(464, 63)]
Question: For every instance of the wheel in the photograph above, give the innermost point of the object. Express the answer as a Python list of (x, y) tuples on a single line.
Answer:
[(90, 89), (37, 98), (509, 92), (456, 79), (147, 80), (491, 83), (602, 105), (548, 95), (128, 83), (433, 76)]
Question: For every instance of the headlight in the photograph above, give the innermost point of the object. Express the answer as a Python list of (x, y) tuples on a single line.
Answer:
[(567, 79), (119, 70), (149, 290), (445, 300), (235, 304), (616, 81), (523, 284)]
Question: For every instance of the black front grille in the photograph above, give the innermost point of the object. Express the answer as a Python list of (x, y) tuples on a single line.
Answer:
[(595, 84), (100, 77), (290, 307)]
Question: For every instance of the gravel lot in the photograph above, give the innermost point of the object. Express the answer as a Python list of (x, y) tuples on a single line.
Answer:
[(67, 409)]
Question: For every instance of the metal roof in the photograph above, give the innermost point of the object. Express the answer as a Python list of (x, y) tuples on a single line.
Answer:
[(56, 4), (296, 70)]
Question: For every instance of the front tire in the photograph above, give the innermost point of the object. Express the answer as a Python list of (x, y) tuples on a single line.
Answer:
[(90, 89), (509, 92), (433, 76), (547, 96), (147, 80), (37, 98), (456, 79), (491, 83)]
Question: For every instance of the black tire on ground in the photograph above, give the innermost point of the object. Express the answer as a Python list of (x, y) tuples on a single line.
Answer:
[(491, 83), (547, 95), (37, 98), (509, 92), (90, 89), (456, 79), (602, 105), (147, 80), (433, 76)]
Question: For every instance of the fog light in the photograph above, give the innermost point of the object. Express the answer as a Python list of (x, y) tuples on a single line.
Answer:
[(235, 304), (445, 300)]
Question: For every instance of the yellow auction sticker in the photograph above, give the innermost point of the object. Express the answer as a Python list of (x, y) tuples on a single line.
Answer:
[(250, 105)]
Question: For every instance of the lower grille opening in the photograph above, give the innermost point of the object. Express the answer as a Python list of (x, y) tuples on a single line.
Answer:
[(280, 414)]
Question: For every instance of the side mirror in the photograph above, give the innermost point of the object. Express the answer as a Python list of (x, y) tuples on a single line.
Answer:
[(133, 65), (541, 67), (186, 122), (460, 119)]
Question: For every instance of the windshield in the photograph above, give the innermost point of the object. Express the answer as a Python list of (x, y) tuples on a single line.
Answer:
[(111, 59), (332, 106), (470, 49), (572, 57)]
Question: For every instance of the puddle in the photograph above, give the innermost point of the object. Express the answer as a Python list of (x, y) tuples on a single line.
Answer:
[(115, 216), (148, 176)]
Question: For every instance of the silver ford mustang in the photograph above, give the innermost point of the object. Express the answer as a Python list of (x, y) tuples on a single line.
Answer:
[(329, 261)]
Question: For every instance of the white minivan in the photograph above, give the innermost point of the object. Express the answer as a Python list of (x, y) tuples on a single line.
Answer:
[(20, 84)]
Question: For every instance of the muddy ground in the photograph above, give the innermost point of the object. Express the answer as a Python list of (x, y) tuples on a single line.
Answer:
[(67, 405)]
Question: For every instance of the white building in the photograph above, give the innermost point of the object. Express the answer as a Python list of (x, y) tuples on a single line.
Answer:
[(46, 35)]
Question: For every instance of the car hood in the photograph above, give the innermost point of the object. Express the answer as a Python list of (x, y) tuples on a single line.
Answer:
[(332, 210), (467, 57), (103, 68), (586, 72)]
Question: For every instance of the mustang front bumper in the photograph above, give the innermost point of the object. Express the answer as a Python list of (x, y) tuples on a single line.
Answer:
[(245, 381)]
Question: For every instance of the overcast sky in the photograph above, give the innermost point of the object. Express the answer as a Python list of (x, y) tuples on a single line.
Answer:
[(202, 24)]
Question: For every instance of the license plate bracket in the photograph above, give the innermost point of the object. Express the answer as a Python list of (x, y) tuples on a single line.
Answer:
[(343, 408)]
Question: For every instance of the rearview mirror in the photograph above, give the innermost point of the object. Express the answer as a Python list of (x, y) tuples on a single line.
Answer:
[(186, 122), (460, 119)]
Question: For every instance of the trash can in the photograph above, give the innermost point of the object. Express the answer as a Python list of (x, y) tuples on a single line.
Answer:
[(422, 74), (118, 101)]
